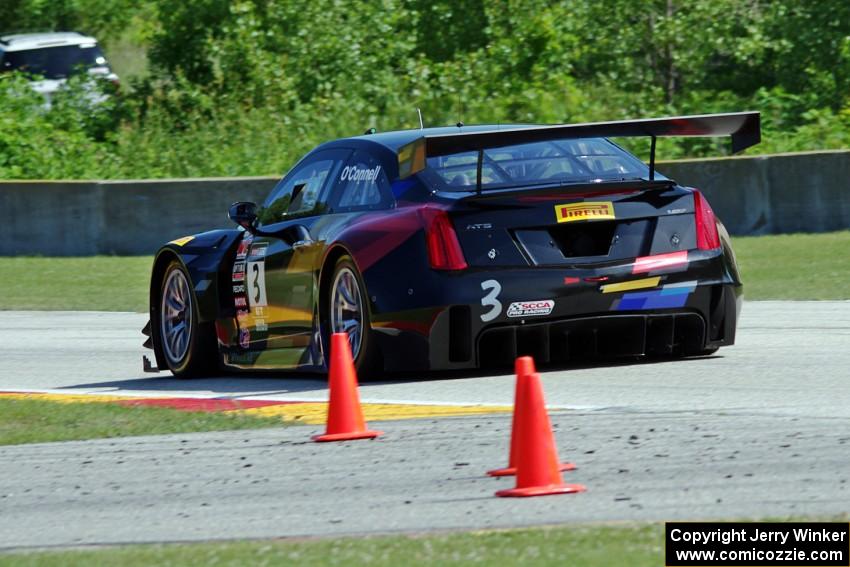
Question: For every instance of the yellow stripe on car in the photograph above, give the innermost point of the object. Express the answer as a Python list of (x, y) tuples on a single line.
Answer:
[(630, 285)]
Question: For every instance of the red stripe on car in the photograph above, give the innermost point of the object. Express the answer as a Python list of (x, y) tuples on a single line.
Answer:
[(659, 261)]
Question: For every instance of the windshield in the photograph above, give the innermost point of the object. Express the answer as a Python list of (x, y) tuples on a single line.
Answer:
[(558, 161), (54, 62)]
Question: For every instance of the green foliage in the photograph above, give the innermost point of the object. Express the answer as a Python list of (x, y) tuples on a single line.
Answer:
[(36, 143), (103, 18), (244, 87)]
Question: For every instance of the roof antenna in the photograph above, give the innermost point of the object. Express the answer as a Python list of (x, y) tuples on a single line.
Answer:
[(419, 112), (459, 110)]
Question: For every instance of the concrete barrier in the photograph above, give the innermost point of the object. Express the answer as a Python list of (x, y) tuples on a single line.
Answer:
[(801, 192), (806, 192), (61, 218)]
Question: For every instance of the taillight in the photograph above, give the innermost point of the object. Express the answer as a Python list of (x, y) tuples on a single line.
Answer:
[(707, 236), (444, 252)]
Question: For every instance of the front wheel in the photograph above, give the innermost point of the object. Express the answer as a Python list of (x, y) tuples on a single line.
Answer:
[(188, 346), (348, 312)]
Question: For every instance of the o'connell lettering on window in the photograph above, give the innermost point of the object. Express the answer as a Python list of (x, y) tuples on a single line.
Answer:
[(353, 173)]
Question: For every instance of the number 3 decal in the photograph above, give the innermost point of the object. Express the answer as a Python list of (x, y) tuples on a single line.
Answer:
[(257, 284), (490, 300)]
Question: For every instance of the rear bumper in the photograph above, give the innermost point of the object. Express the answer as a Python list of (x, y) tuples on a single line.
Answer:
[(708, 322), (689, 312), (605, 336)]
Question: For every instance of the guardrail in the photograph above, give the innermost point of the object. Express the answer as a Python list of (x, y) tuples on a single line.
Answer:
[(805, 192)]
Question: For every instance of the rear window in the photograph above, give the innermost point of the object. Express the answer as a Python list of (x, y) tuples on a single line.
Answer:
[(559, 161), (54, 62)]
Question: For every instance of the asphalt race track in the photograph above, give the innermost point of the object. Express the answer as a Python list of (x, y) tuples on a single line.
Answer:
[(761, 429)]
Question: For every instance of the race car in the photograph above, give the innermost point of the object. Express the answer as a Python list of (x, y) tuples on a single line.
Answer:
[(458, 248)]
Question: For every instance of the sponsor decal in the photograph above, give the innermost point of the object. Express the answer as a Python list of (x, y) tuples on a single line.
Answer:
[(596, 210), (670, 296), (479, 226), (260, 325), (242, 358), (242, 251), (353, 173), (630, 285), (242, 314), (244, 338), (240, 301), (259, 312), (661, 262), (259, 249), (182, 241), (238, 271), (531, 308), (257, 283), (239, 288)]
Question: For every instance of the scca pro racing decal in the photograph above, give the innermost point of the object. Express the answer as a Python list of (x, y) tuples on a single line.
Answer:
[(599, 210), (531, 308), (257, 275)]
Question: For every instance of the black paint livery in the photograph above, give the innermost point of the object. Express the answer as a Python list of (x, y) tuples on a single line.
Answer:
[(456, 248)]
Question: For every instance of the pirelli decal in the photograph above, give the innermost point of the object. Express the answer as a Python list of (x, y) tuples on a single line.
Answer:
[(598, 210)]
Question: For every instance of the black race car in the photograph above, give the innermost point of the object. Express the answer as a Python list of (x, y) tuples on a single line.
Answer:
[(456, 248)]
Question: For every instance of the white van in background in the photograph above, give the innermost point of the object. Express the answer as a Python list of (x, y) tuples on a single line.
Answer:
[(52, 57)]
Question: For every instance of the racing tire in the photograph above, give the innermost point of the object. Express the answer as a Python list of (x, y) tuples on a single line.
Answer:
[(348, 311), (187, 345)]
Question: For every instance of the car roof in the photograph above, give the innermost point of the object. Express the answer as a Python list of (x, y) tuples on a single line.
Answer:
[(396, 139), (23, 41)]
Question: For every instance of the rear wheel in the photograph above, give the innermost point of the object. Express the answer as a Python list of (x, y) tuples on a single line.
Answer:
[(348, 312), (188, 346)]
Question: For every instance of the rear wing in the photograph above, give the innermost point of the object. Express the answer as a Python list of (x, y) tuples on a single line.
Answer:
[(743, 127)]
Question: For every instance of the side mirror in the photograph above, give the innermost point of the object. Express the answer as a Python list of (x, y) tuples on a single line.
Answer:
[(243, 213)]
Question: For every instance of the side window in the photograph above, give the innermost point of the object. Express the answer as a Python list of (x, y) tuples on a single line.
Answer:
[(300, 192), (361, 185)]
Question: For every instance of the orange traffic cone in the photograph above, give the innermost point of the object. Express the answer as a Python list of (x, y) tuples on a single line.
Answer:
[(524, 367), (537, 462), (345, 416)]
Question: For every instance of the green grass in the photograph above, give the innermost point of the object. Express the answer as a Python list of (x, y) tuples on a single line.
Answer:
[(38, 421), (586, 546), (789, 266), (96, 283), (795, 266)]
